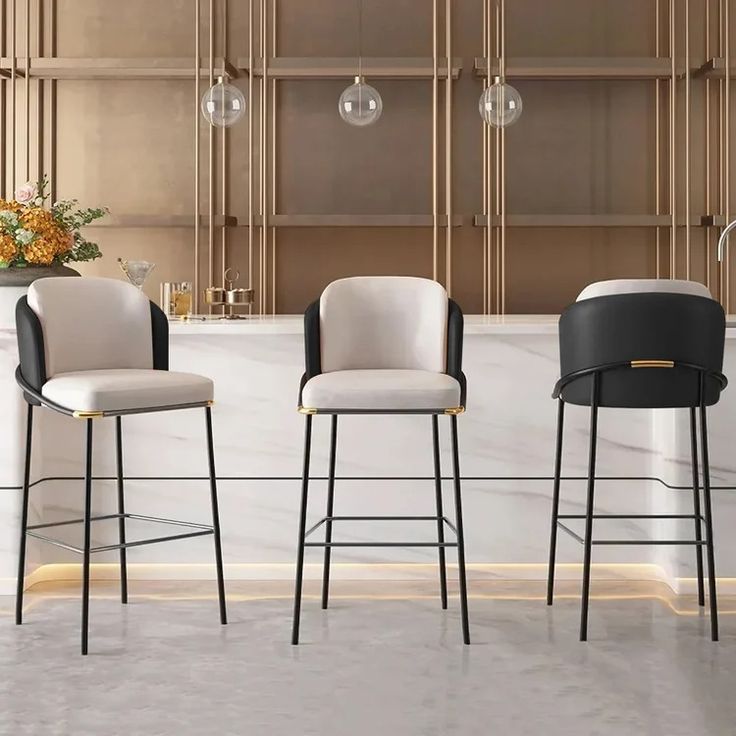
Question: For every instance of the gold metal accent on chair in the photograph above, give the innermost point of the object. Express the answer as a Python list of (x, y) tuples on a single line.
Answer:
[(306, 410), (652, 363), (88, 414), (455, 411)]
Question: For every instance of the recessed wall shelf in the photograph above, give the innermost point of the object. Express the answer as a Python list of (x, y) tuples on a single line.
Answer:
[(164, 221), (714, 68), (579, 67), (576, 221), (359, 220), (301, 67), (119, 68)]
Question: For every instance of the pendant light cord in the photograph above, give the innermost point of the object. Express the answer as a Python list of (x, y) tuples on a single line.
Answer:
[(360, 38)]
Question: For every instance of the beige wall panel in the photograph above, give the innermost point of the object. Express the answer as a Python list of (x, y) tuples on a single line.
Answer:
[(548, 268), (125, 28), (126, 144), (326, 166), (580, 27), (309, 258)]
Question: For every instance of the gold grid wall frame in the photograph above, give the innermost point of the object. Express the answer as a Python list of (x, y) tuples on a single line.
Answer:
[(691, 71)]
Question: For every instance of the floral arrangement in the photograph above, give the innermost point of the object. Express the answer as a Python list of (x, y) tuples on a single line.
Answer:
[(33, 235)]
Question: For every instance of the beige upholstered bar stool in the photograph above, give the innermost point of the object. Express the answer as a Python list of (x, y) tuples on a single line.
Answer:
[(383, 345), (92, 348)]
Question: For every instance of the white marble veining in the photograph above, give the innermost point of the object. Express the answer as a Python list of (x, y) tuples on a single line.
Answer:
[(506, 437)]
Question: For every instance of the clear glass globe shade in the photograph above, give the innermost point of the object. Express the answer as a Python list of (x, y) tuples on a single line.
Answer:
[(360, 104), (223, 104), (500, 105)]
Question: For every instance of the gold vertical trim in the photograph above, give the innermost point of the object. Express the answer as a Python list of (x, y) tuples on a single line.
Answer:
[(497, 169), (672, 142), (484, 134), (224, 165), (657, 138), (687, 141), (28, 89), (52, 105), (251, 102), (3, 110), (211, 159), (263, 159), (721, 143), (448, 148), (435, 133), (707, 148), (13, 96), (727, 142), (273, 157), (502, 69), (197, 57)]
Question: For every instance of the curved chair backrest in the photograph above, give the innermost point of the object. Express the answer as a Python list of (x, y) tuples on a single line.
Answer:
[(643, 320), (380, 322), (67, 325), (638, 286)]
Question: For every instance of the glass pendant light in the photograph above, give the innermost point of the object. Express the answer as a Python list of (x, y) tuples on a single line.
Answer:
[(360, 104), (223, 104), (500, 105)]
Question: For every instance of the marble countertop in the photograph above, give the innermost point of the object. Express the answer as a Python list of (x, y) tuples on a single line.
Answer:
[(292, 324)]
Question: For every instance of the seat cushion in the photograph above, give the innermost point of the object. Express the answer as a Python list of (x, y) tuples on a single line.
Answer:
[(637, 286), (126, 388), (381, 389)]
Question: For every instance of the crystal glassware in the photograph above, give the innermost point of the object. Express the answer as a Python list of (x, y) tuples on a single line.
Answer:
[(136, 271)]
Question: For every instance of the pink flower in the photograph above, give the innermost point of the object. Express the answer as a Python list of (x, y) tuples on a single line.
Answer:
[(26, 193)]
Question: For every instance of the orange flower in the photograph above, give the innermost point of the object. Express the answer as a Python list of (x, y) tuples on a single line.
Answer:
[(8, 250), (51, 240)]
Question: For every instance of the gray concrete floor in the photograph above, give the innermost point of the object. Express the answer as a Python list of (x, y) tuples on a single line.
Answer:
[(387, 663)]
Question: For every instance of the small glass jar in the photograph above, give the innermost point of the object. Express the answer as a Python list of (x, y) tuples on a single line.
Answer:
[(176, 298)]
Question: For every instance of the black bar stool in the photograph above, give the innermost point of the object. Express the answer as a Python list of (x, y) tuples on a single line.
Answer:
[(383, 345), (93, 348), (641, 344)]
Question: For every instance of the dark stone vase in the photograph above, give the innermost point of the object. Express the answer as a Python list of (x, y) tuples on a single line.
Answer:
[(26, 276)]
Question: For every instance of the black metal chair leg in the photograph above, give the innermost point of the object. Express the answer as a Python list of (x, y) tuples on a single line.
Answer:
[(87, 537), (330, 511), (24, 519), (696, 505), (302, 531), (121, 510), (216, 518), (460, 533), (708, 516), (555, 503), (440, 512), (589, 507)]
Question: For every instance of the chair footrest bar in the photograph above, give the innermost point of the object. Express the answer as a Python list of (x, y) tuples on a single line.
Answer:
[(380, 544), (642, 542), (330, 519), (632, 516), (198, 530), (155, 540), (106, 517), (651, 542)]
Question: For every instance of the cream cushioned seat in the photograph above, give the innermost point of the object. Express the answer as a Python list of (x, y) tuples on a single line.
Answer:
[(382, 389), (126, 388)]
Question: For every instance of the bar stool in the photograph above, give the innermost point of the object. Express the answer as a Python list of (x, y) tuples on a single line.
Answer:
[(383, 345), (641, 344), (92, 348)]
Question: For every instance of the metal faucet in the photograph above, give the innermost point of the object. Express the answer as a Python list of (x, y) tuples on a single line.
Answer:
[(723, 240)]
